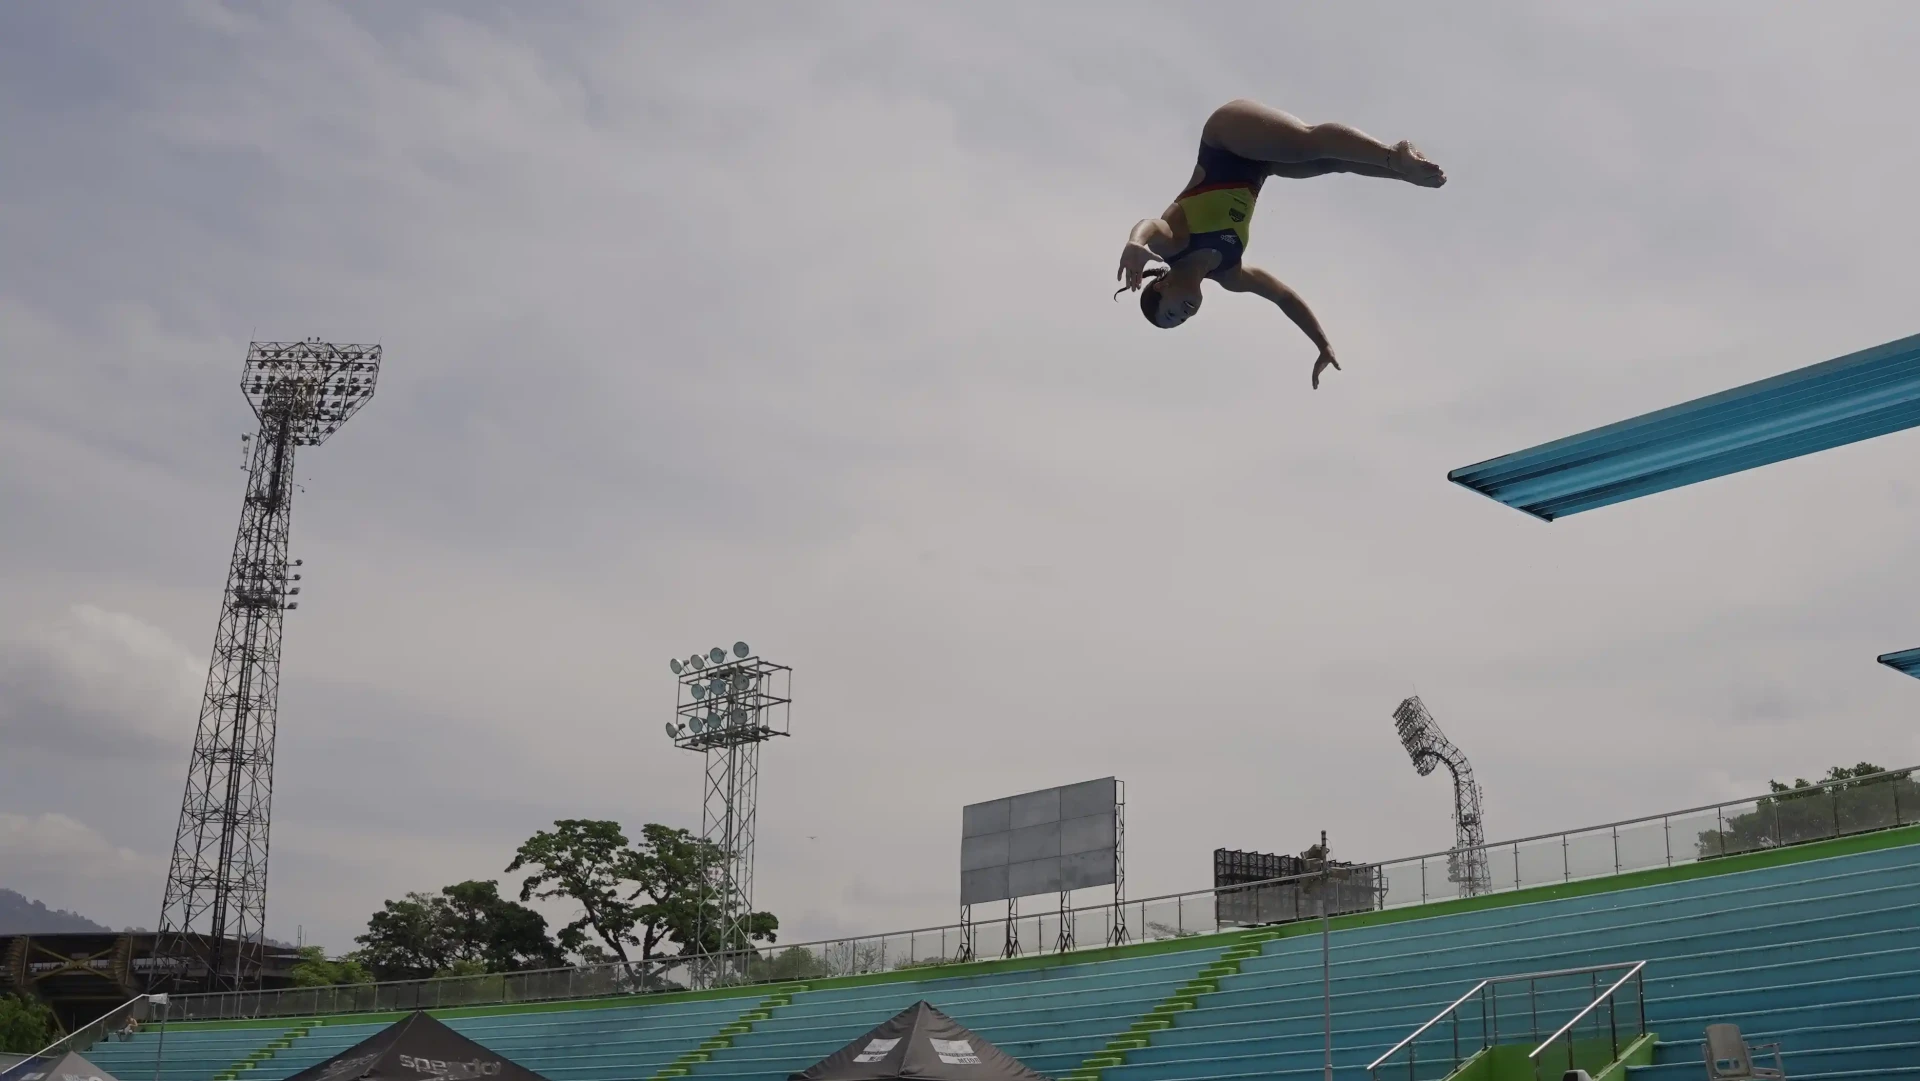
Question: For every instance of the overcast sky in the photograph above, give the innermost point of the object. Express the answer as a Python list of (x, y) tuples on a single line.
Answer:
[(792, 323)]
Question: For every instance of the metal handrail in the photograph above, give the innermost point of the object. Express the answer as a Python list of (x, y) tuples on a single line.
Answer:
[(70, 1039), (255, 1003), (1633, 968), (1632, 973), (1434, 1020)]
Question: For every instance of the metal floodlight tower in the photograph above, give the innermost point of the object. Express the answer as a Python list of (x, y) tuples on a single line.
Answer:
[(725, 707), (1429, 747), (213, 916)]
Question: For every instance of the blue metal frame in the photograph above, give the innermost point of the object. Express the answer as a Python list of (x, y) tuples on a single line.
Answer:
[(1906, 661), (1861, 395)]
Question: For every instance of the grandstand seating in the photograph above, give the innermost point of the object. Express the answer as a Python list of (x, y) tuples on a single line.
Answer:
[(1819, 955), (319, 1045), (1050, 1018), (624, 1043), (1806, 947), (190, 1053)]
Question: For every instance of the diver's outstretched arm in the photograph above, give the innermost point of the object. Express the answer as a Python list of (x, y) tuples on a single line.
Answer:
[(1262, 284)]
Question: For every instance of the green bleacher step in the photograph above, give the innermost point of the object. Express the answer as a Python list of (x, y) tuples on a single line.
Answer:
[(1140, 1034), (761, 1010), (279, 1044)]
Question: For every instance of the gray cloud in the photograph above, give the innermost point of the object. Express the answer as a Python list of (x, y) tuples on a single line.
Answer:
[(96, 684), (791, 326)]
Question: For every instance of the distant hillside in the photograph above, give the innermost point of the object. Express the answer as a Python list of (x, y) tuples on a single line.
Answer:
[(19, 916)]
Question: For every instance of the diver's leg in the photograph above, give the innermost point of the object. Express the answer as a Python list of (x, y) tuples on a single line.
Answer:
[(1303, 170), (1263, 133)]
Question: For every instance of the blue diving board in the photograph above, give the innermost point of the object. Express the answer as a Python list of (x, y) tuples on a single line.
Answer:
[(1907, 660), (1858, 396)]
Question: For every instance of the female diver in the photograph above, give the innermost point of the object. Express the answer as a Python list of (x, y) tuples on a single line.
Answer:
[(1204, 232)]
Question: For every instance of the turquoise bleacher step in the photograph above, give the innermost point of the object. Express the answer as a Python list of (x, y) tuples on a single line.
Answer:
[(1140, 1034), (762, 1010), (281, 1043)]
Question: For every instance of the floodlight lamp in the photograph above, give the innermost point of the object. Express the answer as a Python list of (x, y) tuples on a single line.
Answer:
[(739, 681), (671, 730), (699, 691), (698, 662), (740, 650), (716, 654), (696, 724), (676, 666)]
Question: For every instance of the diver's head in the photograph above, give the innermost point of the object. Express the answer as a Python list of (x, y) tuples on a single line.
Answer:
[(1169, 298)]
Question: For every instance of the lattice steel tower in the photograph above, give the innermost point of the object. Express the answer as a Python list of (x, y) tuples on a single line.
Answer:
[(213, 918), (725, 708), (1429, 747)]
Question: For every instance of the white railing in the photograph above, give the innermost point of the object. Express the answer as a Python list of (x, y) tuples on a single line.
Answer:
[(1712, 831), (138, 1010), (1570, 1034), (1446, 1051)]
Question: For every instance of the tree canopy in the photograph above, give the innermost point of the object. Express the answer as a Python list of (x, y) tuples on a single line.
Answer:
[(467, 928), (584, 861), (26, 1024), (661, 892), (316, 970), (1837, 805), (650, 901)]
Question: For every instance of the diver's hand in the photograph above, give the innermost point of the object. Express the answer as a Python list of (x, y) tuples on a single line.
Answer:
[(1133, 262), (1322, 363)]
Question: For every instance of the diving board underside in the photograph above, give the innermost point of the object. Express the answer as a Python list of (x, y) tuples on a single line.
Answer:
[(1861, 395), (1907, 661)]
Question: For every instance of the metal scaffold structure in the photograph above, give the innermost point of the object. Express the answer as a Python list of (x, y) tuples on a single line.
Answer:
[(725, 708), (213, 916), (1430, 748)]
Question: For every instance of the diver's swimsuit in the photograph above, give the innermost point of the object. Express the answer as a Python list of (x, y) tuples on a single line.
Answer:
[(1219, 208)]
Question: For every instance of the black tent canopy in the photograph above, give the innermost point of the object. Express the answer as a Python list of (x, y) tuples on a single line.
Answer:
[(922, 1043), (69, 1066), (416, 1048)]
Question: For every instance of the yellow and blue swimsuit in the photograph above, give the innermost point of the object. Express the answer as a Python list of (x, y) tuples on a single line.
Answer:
[(1219, 208)]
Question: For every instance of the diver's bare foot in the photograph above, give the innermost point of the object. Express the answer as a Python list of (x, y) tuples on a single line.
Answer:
[(1414, 167)]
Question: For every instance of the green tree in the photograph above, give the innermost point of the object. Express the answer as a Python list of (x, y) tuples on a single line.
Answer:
[(587, 862), (405, 940), (468, 929), (486, 930), (26, 1024), (678, 875), (315, 970), (1838, 805), (659, 895)]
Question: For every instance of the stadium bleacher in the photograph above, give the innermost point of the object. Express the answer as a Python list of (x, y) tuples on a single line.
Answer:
[(1819, 954), (188, 1053)]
